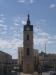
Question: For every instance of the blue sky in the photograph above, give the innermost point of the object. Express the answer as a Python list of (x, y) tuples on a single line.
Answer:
[(13, 16)]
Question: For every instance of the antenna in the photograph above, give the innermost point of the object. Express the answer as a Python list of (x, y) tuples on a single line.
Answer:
[(45, 47)]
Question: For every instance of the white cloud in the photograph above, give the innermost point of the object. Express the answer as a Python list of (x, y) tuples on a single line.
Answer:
[(54, 36), (18, 20), (31, 1), (10, 44), (17, 26), (52, 6), (15, 36), (1, 21), (40, 41), (3, 26), (43, 34), (3, 33), (23, 22), (43, 20), (11, 41), (40, 38), (2, 15), (36, 42), (16, 29), (37, 28), (21, 1)]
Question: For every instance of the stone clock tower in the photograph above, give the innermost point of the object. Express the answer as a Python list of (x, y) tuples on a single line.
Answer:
[(28, 54)]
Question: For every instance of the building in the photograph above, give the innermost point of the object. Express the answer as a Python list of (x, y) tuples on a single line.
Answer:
[(28, 53), (20, 55), (5, 62), (48, 60), (27, 56), (51, 58), (41, 58), (15, 64)]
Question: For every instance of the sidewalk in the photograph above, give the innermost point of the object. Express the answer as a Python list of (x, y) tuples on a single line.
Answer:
[(35, 73)]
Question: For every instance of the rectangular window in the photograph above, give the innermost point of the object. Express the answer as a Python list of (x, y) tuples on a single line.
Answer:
[(27, 37), (28, 51)]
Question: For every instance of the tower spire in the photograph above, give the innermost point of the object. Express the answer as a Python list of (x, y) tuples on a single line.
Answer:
[(28, 20)]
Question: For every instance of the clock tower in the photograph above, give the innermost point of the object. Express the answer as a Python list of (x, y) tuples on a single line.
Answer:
[(28, 54)]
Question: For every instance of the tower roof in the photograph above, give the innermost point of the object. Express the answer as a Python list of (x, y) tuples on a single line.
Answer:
[(28, 20)]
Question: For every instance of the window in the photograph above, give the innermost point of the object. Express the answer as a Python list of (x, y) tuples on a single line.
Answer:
[(28, 51), (27, 37)]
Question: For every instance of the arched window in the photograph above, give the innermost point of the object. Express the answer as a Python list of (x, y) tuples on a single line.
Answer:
[(27, 37), (28, 51)]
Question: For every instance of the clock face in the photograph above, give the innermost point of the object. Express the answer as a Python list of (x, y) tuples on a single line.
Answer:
[(27, 28)]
